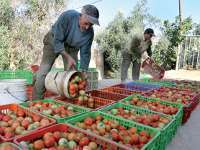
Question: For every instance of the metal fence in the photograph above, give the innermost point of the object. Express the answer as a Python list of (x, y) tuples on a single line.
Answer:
[(189, 53)]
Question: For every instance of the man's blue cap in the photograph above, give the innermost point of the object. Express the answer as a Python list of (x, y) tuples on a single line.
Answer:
[(92, 13)]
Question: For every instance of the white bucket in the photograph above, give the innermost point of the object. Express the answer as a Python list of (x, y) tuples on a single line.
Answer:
[(57, 82), (12, 91)]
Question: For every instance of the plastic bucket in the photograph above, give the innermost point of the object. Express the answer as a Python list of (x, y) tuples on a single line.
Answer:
[(150, 67), (58, 82), (12, 91)]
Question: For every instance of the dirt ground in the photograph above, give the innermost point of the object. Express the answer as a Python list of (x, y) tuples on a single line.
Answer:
[(188, 135), (183, 74)]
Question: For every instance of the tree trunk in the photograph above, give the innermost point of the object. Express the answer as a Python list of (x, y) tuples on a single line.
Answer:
[(99, 63)]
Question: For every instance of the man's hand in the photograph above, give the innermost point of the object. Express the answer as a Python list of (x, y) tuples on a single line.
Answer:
[(85, 74), (144, 46), (71, 63)]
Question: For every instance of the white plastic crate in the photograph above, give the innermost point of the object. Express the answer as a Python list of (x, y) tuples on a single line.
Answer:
[(92, 85), (92, 75)]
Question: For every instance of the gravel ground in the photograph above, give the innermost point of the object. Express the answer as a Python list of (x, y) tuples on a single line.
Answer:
[(188, 135)]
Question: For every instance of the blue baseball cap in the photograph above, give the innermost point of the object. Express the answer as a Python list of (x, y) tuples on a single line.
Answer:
[(92, 13)]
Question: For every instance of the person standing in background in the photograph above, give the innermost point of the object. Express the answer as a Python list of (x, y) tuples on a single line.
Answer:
[(133, 54)]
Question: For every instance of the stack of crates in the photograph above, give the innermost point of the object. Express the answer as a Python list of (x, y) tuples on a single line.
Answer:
[(17, 74), (92, 79)]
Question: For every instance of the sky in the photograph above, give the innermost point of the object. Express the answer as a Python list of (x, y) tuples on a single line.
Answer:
[(163, 9)]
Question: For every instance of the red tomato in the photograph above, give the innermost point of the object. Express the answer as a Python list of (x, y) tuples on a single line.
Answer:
[(25, 123), (49, 142), (36, 118), (8, 135), (20, 113), (144, 133), (88, 121), (81, 86), (133, 130), (57, 135), (52, 148), (143, 140), (72, 87), (47, 135), (115, 136), (45, 104), (39, 144), (84, 141), (122, 128), (134, 139), (44, 122), (6, 118)]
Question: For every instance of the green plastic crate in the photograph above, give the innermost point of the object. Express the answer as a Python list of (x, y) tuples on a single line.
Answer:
[(178, 116), (158, 82), (167, 132), (153, 144), (18, 74), (78, 109), (145, 76)]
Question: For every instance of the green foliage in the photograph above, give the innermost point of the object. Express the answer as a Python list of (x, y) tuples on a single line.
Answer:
[(118, 33), (21, 35), (174, 32), (196, 29), (140, 18), (32, 5), (136, 20), (6, 13), (4, 46), (165, 54), (112, 40), (40, 8)]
